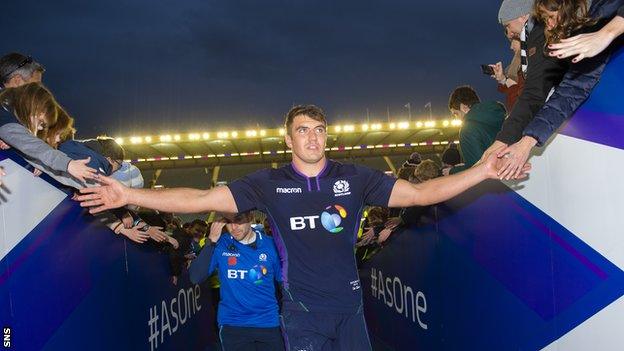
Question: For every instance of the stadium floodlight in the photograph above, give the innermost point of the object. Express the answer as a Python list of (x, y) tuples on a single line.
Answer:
[(263, 133), (234, 134), (282, 131), (176, 137), (194, 136), (338, 129), (251, 133), (206, 136), (419, 124), (392, 125), (148, 139), (365, 127), (349, 128), (445, 123), (165, 138), (119, 141), (376, 126), (136, 140), (403, 125), (456, 122), (223, 135), (430, 124)]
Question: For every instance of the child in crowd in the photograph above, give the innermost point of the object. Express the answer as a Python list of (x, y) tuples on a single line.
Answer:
[(26, 112)]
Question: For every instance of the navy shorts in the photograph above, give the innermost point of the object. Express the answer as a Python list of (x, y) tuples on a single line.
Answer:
[(316, 331), (250, 339)]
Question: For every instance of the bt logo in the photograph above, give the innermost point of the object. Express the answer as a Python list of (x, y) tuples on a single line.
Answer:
[(330, 220), (256, 274), (237, 273)]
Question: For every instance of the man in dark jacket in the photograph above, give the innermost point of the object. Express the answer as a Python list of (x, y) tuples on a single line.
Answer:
[(542, 72), (571, 92), (106, 155), (481, 122)]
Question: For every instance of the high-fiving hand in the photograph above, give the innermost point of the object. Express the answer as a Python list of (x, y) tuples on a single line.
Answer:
[(111, 194)]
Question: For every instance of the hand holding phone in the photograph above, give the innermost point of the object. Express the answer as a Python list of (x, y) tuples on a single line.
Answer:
[(487, 70)]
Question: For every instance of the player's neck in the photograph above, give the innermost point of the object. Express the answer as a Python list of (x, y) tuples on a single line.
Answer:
[(309, 169), (249, 238)]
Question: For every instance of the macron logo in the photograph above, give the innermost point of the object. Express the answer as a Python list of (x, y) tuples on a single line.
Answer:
[(288, 190)]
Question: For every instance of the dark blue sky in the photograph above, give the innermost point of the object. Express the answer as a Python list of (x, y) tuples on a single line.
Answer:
[(147, 66)]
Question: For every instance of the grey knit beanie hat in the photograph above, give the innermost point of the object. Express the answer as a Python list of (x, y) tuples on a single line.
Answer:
[(512, 9)]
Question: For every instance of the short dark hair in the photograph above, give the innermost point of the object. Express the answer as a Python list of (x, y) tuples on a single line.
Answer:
[(451, 155), (110, 148), (463, 95), (425, 171), (199, 222), (16, 63), (405, 172), (311, 111)]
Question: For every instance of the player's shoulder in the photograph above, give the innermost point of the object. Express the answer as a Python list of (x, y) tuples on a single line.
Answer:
[(274, 174), (339, 169), (224, 241)]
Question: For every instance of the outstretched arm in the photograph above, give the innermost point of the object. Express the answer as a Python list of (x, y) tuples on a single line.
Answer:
[(405, 194), (589, 44), (113, 194)]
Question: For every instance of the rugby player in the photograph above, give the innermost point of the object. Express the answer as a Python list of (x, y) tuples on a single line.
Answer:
[(315, 205)]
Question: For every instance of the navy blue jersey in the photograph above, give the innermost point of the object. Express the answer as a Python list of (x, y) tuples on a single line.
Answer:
[(247, 274), (315, 223)]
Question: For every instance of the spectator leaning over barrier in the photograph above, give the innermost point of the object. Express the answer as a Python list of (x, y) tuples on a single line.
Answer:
[(105, 154), (60, 131), (129, 175), (248, 267), (450, 158), (589, 44), (481, 122), (563, 18), (511, 79), (542, 72), (17, 69), (26, 111)]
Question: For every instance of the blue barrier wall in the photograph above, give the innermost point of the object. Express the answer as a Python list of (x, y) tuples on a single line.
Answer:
[(535, 265), (71, 284)]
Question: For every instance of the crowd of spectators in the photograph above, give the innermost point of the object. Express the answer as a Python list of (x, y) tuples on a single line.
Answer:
[(560, 48)]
